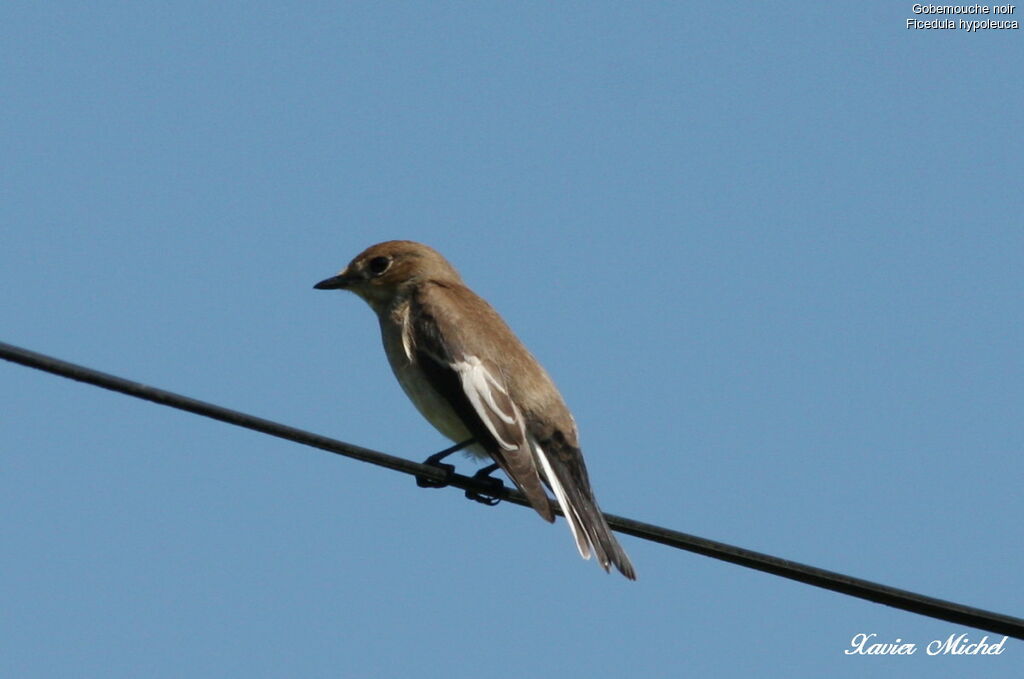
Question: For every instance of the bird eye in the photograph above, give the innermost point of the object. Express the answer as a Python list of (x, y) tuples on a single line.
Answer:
[(379, 265)]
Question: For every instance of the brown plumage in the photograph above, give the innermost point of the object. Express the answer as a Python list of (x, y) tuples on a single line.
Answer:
[(471, 377)]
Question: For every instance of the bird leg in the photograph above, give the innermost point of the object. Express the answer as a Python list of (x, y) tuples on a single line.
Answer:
[(484, 476), (448, 469)]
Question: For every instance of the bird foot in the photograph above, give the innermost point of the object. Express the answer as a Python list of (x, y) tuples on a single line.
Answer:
[(448, 469), (484, 477)]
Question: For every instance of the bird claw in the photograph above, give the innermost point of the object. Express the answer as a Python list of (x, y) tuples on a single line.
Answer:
[(484, 499), (484, 476), (448, 469)]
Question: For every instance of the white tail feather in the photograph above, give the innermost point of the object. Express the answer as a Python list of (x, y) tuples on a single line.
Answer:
[(572, 516)]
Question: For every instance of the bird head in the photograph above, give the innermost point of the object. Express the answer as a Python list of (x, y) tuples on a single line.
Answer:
[(390, 269)]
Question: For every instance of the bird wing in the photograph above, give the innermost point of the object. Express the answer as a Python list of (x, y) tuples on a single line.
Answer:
[(457, 339), (450, 345)]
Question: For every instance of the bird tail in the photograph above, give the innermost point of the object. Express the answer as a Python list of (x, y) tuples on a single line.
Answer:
[(569, 482)]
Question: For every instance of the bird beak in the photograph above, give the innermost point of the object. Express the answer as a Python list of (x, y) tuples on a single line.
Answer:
[(339, 282)]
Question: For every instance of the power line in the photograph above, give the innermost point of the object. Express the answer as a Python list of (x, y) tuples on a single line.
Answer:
[(837, 582)]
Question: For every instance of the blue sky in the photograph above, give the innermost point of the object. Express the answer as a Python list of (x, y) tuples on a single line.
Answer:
[(772, 257)]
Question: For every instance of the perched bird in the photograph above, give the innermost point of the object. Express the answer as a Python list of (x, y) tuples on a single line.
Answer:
[(471, 377)]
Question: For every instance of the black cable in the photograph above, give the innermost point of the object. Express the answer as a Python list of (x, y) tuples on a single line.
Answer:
[(837, 582)]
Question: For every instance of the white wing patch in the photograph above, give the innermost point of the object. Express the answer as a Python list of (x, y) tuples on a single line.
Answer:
[(480, 386)]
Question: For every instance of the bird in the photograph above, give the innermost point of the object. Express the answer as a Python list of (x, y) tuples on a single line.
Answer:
[(470, 377)]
